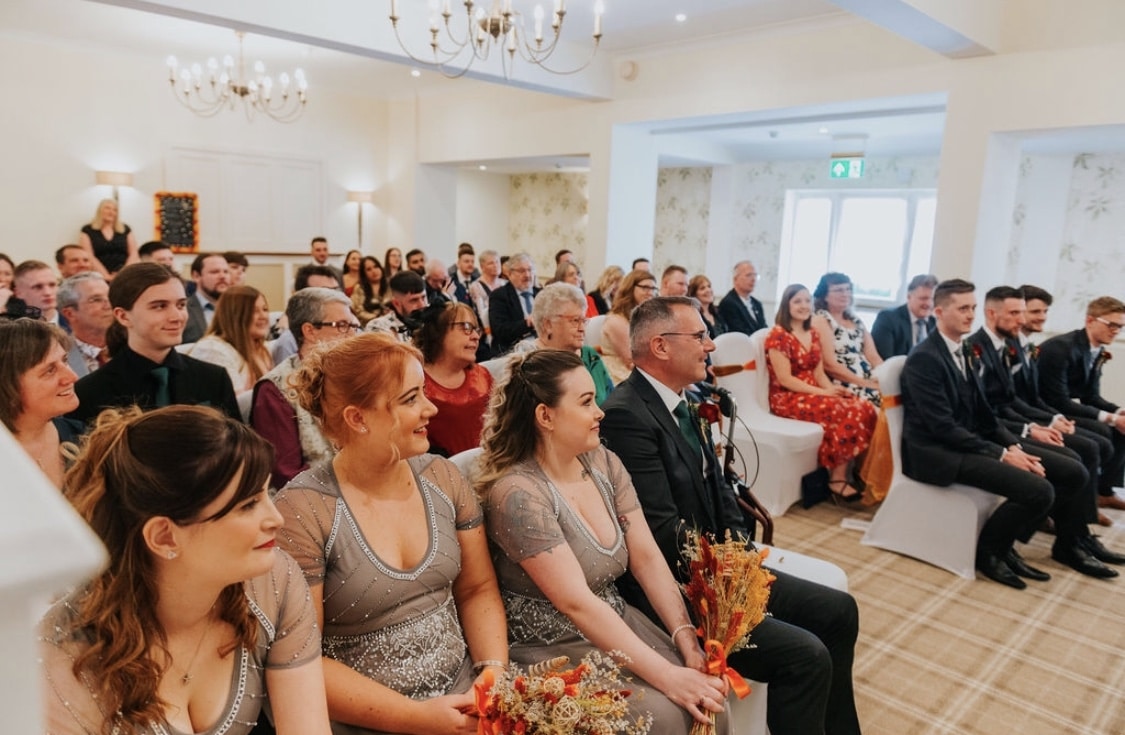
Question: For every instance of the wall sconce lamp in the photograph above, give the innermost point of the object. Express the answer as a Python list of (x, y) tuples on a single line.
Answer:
[(361, 198), (114, 179)]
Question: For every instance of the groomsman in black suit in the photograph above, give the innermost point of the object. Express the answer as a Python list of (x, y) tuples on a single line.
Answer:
[(509, 307), (897, 330), (1042, 430), (740, 311), (806, 648), (951, 434), (1038, 302), (1070, 373)]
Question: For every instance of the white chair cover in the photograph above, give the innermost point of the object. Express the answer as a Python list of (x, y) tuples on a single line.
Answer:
[(937, 525), (786, 448), (594, 330)]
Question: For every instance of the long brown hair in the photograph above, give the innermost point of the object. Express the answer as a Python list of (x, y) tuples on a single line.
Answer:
[(134, 466), (623, 302), (510, 434), (233, 316)]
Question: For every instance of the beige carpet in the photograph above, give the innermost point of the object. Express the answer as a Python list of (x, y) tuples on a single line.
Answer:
[(940, 654)]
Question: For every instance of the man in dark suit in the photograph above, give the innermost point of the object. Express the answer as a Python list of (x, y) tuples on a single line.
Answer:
[(509, 307), (1070, 373), (740, 311), (950, 434), (149, 304), (897, 330), (1042, 430), (806, 648), (211, 275)]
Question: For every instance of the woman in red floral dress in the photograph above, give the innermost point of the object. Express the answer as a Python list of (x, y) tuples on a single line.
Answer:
[(800, 389)]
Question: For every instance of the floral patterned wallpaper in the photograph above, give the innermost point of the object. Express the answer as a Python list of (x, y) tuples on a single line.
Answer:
[(683, 214), (548, 212)]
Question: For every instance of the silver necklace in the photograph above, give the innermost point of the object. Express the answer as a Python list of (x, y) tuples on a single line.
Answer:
[(187, 677)]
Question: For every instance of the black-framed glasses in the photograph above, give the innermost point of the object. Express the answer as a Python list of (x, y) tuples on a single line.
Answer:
[(343, 326), (699, 337), (646, 286), (1113, 326), (466, 327)]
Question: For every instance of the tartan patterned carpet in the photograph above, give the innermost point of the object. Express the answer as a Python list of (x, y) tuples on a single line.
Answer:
[(940, 654)]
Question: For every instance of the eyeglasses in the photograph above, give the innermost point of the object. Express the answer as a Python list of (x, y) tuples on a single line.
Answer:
[(342, 326), (524, 269), (646, 287), (699, 337), (1113, 326), (574, 321), (466, 327), (840, 289)]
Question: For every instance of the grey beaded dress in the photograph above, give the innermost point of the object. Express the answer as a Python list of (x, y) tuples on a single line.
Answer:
[(288, 637), (397, 626), (536, 630)]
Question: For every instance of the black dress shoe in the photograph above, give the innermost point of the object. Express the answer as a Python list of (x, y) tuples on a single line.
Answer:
[(1098, 550), (1082, 561), (997, 570), (1016, 563)]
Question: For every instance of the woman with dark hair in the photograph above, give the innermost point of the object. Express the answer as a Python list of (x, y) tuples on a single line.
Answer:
[(351, 271), (198, 617), (853, 356), (457, 386), (636, 288), (392, 263), (36, 390), (236, 339), (699, 288), (567, 272), (369, 299), (7, 275), (564, 523), (391, 541), (800, 389), (109, 241)]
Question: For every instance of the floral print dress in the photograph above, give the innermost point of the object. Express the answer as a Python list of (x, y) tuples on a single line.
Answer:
[(847, 422)]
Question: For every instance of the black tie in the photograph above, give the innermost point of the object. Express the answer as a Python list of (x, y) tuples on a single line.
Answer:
[(161, 398)]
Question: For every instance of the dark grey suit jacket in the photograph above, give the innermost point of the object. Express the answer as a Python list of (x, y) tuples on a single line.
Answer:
[(1065, 383), (737, 318), (196, 321), (893, 331)]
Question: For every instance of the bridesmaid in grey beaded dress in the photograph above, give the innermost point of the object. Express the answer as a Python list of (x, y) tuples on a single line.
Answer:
[(564, 523), (199, 620), (392, 543)]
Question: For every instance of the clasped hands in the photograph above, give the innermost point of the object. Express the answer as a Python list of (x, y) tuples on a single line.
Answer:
[(1016, 457)]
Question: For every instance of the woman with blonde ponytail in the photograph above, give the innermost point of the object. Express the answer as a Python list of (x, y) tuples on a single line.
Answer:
[(198, 617)]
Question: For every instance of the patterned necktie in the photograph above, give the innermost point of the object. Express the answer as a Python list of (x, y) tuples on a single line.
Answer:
[(683, 418), (526, 300), (162, 397), (919, 330)]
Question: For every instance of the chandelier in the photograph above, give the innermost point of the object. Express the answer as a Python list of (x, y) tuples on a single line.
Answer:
[(500, 28), (207, 91)]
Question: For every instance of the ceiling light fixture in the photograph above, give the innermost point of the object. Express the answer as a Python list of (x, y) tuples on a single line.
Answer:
[(501, 28), (222, 86)]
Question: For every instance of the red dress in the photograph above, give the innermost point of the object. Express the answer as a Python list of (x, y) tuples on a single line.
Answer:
[(460, 417), (848, 422)]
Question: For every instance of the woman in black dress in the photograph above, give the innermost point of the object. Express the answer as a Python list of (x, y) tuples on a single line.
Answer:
[(108, 240)]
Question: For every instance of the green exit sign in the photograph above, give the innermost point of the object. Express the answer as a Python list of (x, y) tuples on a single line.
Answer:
[(846, 168)]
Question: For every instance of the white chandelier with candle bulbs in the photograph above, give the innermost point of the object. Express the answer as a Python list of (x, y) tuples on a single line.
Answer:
[(226, 86), (455, 45)]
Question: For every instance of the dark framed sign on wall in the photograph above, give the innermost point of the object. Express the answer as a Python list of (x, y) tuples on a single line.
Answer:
[(177, 220)]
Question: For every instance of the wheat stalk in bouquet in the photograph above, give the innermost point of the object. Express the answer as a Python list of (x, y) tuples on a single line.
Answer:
[(727, 589), (589, 699)]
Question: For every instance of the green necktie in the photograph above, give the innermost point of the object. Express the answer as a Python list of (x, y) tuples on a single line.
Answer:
[(161, 397), (683, 418)]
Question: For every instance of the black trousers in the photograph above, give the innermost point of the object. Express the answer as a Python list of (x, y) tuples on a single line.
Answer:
[(1094, 451), (1029, 500), (1113, 465), (1074, 493), (805, 651)]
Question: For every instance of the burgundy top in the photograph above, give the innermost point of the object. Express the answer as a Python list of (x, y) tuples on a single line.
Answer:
[(460, 417)]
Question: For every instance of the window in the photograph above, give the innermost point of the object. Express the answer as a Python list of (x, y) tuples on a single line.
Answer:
[(879, 238)]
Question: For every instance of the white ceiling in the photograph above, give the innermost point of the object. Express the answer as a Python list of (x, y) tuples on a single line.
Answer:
[(632, 28)]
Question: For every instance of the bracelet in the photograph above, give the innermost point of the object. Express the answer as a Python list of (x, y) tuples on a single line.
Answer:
[(479, 666), (678, 628)]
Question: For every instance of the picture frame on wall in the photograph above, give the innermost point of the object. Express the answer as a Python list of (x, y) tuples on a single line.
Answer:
[(177, 220)]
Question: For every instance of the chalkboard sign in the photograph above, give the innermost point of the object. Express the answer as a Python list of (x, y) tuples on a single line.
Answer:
[(177, 220)]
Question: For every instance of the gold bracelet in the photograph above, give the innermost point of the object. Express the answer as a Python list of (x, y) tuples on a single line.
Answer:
[(479, 666), (678, 628)]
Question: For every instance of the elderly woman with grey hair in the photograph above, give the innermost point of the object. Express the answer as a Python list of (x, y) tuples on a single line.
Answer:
[(560, 320)]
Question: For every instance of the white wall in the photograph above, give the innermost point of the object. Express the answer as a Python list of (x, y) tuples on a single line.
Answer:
[(482, 211), (74, 109)]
